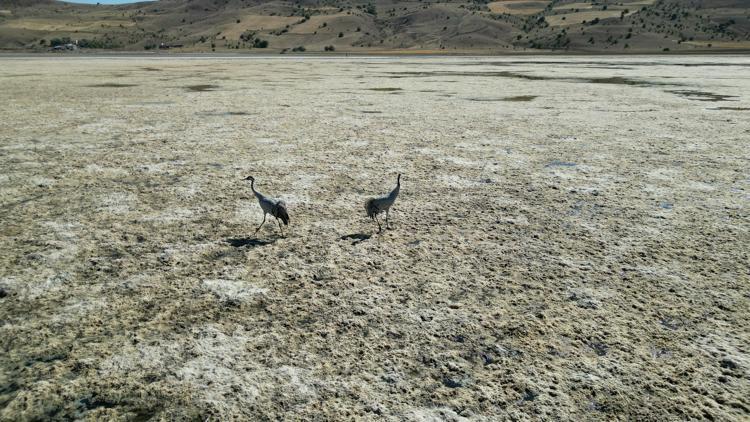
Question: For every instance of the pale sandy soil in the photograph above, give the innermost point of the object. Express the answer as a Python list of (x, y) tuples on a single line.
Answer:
[(571, 239)]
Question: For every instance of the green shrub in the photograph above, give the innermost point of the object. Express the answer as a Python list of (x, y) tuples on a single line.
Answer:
[(247, 36), (54, 42), (96, 43)]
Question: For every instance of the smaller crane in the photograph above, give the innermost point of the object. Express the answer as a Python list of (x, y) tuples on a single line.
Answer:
[(275, 207), (375, 206)]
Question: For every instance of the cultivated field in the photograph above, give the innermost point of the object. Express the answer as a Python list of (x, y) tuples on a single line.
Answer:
[(570, 242)]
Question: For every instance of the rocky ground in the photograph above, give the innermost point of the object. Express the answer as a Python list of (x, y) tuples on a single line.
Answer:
[(571, 239)]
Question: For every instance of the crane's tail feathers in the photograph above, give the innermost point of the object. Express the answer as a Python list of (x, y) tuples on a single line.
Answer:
[(281, 213), (371, 207)]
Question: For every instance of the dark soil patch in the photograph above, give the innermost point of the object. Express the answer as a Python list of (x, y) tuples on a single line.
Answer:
[(619, 80), (153, 103), (702, 95), (224, 113), (557, 163), (503, 74), (520, 98), (356, 237), (201, 87), (238, 243), (111, 85), (613, 80)]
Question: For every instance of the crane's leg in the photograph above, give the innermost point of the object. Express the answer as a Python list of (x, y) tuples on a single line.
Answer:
[(380, 229), (387, 226), (280, 228), (261, 224)]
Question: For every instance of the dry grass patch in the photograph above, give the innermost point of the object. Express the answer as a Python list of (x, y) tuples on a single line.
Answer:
[(315, 22), (735, 45), (578, 17), (517, 7), (51, 24)]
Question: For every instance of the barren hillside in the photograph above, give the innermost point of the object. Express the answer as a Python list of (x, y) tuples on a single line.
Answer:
[(359, 26)]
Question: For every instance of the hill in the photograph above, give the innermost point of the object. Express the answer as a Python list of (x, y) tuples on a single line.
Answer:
[(381, 26)]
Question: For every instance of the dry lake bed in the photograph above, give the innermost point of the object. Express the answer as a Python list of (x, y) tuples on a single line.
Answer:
[(571, 240)]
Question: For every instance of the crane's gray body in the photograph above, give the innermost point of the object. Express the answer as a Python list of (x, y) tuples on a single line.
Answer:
[(268, 205), (375, 206), (275, 207), (382, 203)]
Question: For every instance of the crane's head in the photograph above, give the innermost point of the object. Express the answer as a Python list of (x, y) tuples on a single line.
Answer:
[(398, 179), (250, 178)]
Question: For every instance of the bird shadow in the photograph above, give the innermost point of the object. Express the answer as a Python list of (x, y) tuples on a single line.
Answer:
[(238, 243), (357, 237)]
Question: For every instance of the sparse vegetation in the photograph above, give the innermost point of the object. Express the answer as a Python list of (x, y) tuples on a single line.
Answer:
[(54, 42), (97, 43)]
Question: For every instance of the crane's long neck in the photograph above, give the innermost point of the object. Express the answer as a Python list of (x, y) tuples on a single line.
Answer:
[(252, 186), (394, 192)]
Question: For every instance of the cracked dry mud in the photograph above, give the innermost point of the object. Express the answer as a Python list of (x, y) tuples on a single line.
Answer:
[(570, 242)]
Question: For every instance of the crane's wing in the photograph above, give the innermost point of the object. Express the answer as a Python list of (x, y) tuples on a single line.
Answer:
[(281, 212)]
